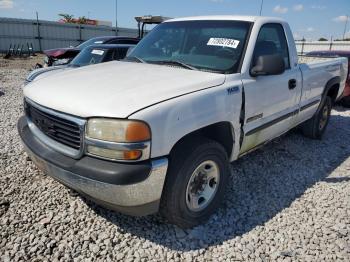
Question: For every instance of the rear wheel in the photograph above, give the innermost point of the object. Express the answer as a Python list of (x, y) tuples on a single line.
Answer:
[(316, 126), (196, 182)]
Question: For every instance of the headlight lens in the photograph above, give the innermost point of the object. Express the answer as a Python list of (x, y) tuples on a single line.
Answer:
[(120, 131), (112, 135)]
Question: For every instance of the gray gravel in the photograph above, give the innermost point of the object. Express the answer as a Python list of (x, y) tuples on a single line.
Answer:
[(289, 201)]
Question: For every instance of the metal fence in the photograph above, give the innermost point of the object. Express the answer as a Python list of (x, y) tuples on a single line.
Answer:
[(305, 47), (47, 35)]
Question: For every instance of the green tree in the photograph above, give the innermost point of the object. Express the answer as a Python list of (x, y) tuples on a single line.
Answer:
[(82, 20), (323, 39), (67, 18)]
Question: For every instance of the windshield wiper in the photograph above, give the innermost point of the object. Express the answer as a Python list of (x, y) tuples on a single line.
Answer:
[(176, 63), (135, 58)]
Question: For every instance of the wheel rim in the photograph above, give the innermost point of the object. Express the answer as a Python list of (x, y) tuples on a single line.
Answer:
[(202, 186), (324, 117)]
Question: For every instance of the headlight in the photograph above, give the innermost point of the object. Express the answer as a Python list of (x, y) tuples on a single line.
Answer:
[(118, 139), (118, 130)]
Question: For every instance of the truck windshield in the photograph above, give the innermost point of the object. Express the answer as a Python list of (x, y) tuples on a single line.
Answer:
[(202, 45)]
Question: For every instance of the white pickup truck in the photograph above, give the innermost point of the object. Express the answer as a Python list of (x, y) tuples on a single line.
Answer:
[(157, 132)]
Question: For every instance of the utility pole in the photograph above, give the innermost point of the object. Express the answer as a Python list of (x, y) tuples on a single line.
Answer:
[(261, 7), (116, 17), (346, 24), (38, 31)]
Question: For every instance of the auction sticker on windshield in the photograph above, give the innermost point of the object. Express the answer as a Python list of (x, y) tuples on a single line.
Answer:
[(224, 42), (97, 52)]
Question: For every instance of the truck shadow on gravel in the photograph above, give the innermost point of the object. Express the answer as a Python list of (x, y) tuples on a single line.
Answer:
[(264, 183)]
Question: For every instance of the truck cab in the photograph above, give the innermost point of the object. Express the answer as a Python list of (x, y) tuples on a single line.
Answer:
[(157, 132)]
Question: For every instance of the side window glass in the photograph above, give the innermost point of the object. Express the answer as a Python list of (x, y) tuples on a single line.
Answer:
[(272, 40)]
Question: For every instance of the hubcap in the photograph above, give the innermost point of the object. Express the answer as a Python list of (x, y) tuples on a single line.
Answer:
[(202, 186), (324, 117)]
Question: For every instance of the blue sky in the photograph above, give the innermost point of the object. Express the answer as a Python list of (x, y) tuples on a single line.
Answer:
[(309, 18)]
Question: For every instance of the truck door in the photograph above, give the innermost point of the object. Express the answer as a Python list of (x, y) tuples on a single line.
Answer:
[(270, 101)]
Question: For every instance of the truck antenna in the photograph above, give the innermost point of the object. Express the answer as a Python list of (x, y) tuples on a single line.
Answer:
[(116, 17), (261, 7)]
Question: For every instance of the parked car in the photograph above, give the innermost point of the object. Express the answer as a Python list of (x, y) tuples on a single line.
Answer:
[(158, 131), (93, 54), (345, 101), (61, 56)]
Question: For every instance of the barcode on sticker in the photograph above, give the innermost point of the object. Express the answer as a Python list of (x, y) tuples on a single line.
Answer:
[(224, 42), (97, 52)]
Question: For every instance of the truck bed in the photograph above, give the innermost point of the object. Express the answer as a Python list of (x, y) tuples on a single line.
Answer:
[(317, 71), (303, 59)]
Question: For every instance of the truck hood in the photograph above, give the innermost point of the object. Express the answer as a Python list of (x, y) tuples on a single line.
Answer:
[(116, 89), (43, 72)]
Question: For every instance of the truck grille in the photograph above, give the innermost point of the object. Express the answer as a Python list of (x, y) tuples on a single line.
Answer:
[(59, 129)]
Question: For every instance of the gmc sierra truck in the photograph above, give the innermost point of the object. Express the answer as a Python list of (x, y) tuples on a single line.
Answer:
[(157, 132)]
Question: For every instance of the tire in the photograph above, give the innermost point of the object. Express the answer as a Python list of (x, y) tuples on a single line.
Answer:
[(315, 127), (179, 193), (345, 101)]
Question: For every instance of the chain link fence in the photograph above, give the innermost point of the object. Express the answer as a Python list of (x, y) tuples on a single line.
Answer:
[(43, 35), (304, 47)]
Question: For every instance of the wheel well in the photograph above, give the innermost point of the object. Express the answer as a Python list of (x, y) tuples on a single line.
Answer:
[(220, 132), (333, 92)]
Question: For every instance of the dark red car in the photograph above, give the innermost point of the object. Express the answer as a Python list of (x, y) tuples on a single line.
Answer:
[(338, 53), (67, 54)]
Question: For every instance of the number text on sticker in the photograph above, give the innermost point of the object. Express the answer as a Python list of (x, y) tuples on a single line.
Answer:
[(224, 42)]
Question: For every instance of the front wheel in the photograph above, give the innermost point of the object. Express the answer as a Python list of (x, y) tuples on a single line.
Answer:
[(196, 182), (316, 126)]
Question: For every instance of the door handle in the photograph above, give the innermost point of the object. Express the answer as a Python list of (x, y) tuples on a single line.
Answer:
[(292, 83)]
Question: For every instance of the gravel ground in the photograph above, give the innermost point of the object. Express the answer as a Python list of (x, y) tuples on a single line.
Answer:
[(289, 201)]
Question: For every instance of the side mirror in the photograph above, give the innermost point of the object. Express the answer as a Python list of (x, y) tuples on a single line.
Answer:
[(268, 65)]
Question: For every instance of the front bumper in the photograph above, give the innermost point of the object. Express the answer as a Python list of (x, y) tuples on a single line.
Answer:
[(133, 189)]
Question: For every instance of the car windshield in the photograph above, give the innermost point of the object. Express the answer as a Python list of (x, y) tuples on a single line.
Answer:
[(89, 56), (92, 41), (201, 45)]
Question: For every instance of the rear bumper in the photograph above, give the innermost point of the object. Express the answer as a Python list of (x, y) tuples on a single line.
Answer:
[(133, 189)]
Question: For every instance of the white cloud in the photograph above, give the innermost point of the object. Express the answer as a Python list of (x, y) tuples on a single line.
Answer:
[(298, 8), (320, 7), (341, 18), (310, 29), (280, 9), (6, 4)]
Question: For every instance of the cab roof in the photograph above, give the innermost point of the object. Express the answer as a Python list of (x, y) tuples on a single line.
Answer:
[(227, 18)]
